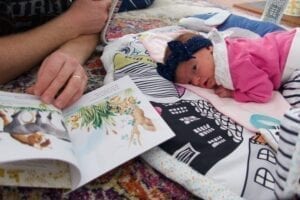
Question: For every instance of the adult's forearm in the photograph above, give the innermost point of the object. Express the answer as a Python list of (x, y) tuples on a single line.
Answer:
[(81, 47), (20, 52)]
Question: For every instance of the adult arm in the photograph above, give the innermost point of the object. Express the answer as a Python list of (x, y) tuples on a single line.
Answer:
[(20, 52)]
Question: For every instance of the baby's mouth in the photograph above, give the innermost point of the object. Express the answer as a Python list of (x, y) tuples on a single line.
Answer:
[(206, 84), (209, 83)]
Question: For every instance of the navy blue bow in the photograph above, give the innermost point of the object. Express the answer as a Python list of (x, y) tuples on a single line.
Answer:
[(181, 52)]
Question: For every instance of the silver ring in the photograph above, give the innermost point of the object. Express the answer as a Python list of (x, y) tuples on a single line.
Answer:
[(76, 76)]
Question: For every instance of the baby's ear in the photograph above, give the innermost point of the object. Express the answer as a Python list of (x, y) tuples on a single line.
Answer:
[(210, 48)]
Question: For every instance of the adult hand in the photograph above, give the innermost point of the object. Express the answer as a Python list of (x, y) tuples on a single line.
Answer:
[(223, 92), (88, 16), (61, 80)]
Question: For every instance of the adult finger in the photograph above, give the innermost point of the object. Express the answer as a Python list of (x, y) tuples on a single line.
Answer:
[(75, 97), (30, 90), (73, 90), (48, 72), (59, 81)]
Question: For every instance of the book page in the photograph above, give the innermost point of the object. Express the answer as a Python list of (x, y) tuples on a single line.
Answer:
[(115, 5), (112, 125), (32, 130)]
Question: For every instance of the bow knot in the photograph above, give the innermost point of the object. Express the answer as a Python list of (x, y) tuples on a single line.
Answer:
[(181, 52)]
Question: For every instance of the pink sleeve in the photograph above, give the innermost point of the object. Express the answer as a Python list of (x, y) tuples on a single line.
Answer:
[(251, 83)]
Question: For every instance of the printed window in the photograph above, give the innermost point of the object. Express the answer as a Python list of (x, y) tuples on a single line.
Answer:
[(265, 178), (203, 130), (179, 110), (186, 154), (188, 120), (266, 154)]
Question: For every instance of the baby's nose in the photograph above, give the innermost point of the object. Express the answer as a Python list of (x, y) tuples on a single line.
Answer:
[(196, 80)]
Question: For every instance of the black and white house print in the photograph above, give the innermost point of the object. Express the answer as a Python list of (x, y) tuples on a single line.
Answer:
[(204, 136)]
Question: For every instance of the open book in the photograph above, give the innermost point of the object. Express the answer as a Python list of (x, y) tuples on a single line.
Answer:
[(114, 8), (45, 147)]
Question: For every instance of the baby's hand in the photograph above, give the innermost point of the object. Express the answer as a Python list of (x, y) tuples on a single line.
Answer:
[(223, 92)]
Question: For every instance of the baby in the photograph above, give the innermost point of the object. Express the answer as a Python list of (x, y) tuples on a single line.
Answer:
[(245, 69)]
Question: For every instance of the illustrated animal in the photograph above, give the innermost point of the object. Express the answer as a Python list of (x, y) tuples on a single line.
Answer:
[(140, 120), (21, 133), (49, 128), (31, 132)]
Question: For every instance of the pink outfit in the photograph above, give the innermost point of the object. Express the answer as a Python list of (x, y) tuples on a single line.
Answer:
[(257, 65), (251, 67)]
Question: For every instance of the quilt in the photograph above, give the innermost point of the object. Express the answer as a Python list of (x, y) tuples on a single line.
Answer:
[(208, 144)]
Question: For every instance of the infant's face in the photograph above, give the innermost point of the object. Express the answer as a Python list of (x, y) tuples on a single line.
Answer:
[(198, 71)]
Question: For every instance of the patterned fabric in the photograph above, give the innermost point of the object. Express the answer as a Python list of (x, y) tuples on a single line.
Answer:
[(140, 20), (20, 15), (288, 157), (291, 89)]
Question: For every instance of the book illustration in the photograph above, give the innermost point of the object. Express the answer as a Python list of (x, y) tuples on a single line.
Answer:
[(109, 115), (140, 120), (31, 126)]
